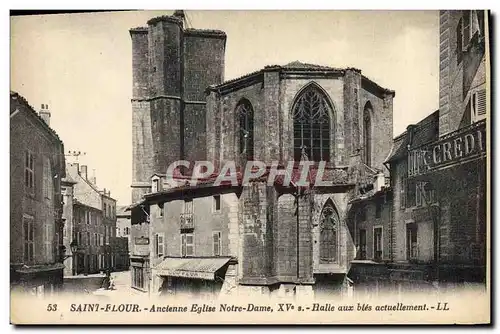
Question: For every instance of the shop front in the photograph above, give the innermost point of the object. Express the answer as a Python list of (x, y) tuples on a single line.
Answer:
[(454, 169), (139, 271)]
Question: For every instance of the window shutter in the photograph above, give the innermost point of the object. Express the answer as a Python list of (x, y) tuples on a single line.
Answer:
[(481, 102), (216, 243), (189, 245), (183, 245), (160, 245)]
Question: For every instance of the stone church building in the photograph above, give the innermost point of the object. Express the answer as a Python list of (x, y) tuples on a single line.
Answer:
[(208, 240)]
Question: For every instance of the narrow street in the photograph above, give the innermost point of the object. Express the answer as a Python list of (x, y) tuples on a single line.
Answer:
[(122, 286)]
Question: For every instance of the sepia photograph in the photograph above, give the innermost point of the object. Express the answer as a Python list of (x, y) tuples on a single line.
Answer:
[(250, 167)]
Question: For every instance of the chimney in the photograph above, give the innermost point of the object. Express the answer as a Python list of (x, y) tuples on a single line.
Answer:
[(45, 113), (83, 171), (75, 166), (93, 179)]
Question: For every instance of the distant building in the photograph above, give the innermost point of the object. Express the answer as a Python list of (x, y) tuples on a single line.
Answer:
[(94, 224), (123, 235), (123, 224), (447, 175), (36, 168), (67, 185)]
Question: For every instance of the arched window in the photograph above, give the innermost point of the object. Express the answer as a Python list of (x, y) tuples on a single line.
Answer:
[(311, 125), (244, 112), (329, 224), (367, 134)]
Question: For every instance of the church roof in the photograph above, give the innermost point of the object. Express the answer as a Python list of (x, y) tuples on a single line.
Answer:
[(294, 67)]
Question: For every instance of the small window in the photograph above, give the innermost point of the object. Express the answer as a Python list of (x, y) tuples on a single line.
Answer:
[(362, 244), (419, 194), (187, 244), (411, 193), (47, 185), (29, 239), (155, 186), (402, 193), (411, 241), (88, 238), (362, 213), (188, 206), (160, 210), (217, 243), (378, 209), (217, 203), (29, 172), (160, 244), (466, 28)]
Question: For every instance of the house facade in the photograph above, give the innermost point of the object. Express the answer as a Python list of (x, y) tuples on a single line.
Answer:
[(450, 172), (123, 231), (438, 223), (93, 224), (36, 168), (67, 185)]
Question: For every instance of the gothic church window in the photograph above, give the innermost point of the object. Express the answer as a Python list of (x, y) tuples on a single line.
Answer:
[(328, 234), (311, 125), (244, 112)]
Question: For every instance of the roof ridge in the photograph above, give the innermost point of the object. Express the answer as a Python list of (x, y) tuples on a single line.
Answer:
[(22, 99)]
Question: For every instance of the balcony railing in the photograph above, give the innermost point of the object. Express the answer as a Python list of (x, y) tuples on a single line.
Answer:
[(465, 144), (187, 221)]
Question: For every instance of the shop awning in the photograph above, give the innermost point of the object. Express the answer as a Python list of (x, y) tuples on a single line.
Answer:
[(201, 268)]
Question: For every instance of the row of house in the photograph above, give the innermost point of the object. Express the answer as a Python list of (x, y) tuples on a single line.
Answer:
[(61, 223), (430, 227), (405, 214)]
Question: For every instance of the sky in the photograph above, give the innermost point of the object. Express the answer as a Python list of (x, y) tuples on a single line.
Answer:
[(81, 65)]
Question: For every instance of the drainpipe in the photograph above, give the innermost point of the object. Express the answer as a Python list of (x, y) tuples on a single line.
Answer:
[(297, 227), (433, 211)]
